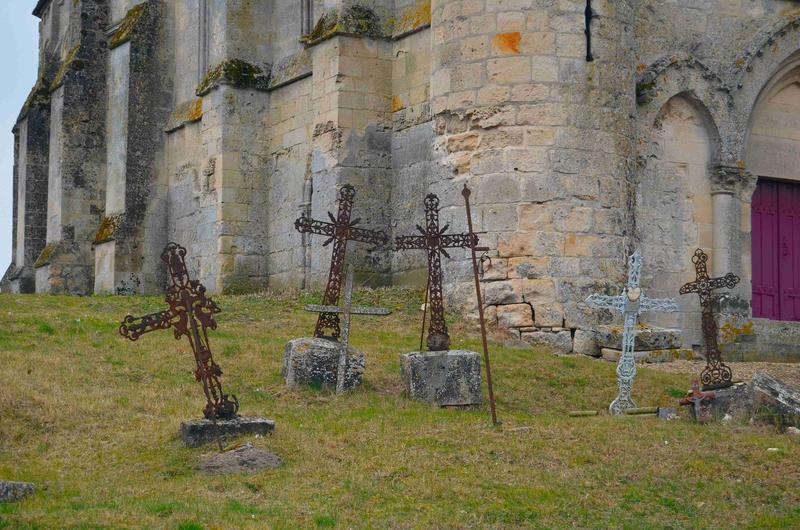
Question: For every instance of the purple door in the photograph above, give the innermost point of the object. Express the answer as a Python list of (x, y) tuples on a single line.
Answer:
[(776, 250)]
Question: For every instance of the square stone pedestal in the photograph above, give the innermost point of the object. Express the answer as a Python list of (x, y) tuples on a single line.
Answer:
[(195, 433), (446, 378), (315, 361)]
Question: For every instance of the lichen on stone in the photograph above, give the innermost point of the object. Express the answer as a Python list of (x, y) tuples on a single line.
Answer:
[(126, 27), (352, 20), (234, 72), (64, 67), (187, 112), (108, 226), (46, 255), (411, 19)]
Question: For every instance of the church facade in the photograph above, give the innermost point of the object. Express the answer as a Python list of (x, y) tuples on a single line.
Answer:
[(585, 129)]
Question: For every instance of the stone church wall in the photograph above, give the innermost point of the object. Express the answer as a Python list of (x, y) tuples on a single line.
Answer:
[(243, 114)]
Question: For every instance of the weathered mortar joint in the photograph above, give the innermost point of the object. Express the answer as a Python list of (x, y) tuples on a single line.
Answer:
[(236, 73)]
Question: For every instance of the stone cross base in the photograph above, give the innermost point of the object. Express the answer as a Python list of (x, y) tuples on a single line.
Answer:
[(446, 378), (195, 433), (314, 361)]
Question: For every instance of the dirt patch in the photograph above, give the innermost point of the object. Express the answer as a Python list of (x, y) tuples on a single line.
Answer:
[(243, 459), (789, 373)]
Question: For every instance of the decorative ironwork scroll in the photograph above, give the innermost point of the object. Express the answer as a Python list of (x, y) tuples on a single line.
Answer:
[(339, 231), (434, 240), (346, 310), (716, 374), (630, 303), (191, 313)]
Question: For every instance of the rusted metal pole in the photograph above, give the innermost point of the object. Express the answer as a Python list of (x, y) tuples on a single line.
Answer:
[(466, 193)]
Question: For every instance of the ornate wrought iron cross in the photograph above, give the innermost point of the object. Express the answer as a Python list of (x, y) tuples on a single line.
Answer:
[(190, 313), (339, 231), (346, 310), (630, 303), (716, 374), (435, 241)]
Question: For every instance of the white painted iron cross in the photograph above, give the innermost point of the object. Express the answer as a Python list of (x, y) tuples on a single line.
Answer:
[(630, 303), (346, 310)]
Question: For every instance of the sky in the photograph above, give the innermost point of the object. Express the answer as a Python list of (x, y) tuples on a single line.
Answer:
[(19, 43)]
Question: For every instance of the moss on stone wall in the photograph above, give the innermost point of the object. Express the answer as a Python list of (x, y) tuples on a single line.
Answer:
[(234, 72), (108, 226), (411, 18), (38, 97), (126, 27), (46, 255), (187, 112), (353, 20), (64, 67)]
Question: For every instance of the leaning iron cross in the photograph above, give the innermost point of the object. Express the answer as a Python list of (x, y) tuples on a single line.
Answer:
[(190, 313), (435, 241), (339, 231), (346, 311), (630, 303), (716, 373)]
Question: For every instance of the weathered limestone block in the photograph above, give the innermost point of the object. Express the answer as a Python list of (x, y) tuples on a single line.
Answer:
[(198, 432), (557, 342), (773, 393), (584, 342), (315, 361), (13, 491), (446, 378), (650, 356), (514, 315), (647, 338)]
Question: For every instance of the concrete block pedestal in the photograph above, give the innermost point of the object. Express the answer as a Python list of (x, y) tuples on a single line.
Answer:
[(315, 361), (195, 433), (445, 378)]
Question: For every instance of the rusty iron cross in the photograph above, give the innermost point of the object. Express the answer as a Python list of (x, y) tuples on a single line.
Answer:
[(716, 374), (190, 313), (696, 398), (434, 240), (339, 231)]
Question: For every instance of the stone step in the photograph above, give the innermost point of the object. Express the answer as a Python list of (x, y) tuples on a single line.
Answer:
[(650, 356), (647, 338)]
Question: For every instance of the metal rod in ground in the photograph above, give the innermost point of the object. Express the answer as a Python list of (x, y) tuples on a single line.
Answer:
[(581, 413), (466, 193), (641, 410)]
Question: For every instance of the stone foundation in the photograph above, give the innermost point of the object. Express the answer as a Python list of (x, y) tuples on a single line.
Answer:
[(315, 361), (446, 378), (195, 433)]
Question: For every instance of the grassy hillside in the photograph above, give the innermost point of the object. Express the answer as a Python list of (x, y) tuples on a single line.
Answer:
[(92, 419)]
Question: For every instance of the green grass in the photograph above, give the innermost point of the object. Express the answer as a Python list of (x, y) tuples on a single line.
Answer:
[(92, 419)]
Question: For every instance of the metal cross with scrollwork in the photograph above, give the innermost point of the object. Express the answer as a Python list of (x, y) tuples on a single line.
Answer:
[(435, 241), (346, 310), (716, 374), (630, 303), (339, 231), (191, 313)]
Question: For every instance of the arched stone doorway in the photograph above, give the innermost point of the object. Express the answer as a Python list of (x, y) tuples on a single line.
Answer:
[(773, 156)]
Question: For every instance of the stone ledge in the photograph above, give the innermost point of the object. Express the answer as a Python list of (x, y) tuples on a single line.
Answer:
[(445, 378), (195, 433), (647, 338), (650, 356)]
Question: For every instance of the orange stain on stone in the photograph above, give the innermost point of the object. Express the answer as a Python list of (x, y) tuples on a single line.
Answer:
[(507, 42)]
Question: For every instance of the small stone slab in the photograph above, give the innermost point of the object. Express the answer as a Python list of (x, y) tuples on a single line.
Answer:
[(651, 356), (667, 413), (446, 378), (11, 491), (647, 338), (774, 394), (315, 361), (242, 459), (195, 433)]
